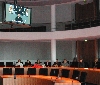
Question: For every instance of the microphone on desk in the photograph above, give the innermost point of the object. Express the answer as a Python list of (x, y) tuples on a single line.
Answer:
[(28, 73), (61, 74), (14, 64), (72, 82), (14, 76), (58, 75)]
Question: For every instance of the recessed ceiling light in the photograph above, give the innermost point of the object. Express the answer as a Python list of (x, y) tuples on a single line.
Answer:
[(85, 40)]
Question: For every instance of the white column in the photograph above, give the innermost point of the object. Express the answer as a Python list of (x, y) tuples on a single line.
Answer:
[(53, 28), (74, 49), (53, 51), (53, 18)]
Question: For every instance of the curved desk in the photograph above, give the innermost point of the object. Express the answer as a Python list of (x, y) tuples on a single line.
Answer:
[(93, 75), (36, 80)]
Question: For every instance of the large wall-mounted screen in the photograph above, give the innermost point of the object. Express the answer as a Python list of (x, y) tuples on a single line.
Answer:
[(17, 14)]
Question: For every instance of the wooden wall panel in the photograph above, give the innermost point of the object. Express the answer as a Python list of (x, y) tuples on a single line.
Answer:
[(87, 50), (86, 11)]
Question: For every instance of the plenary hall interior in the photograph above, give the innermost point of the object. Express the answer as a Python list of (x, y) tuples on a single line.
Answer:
[(49, 42)]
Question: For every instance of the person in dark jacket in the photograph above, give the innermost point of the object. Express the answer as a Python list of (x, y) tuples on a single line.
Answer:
[(18, 19), (81, 63)]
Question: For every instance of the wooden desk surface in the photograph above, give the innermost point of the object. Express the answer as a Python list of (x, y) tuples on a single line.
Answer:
[(9, 80), (93, 75)]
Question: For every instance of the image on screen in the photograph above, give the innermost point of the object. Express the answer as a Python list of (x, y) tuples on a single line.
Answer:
[(17, 14)]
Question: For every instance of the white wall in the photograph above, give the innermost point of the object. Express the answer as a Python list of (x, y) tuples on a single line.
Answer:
[(65, 50), (24, 50), (63, 13), (12, 51), (42, 14)]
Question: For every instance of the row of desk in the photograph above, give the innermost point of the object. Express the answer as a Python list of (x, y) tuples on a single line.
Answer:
[(93, 75), (36, 80)]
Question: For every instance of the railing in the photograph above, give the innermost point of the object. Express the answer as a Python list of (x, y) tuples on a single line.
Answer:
[(83, 24)]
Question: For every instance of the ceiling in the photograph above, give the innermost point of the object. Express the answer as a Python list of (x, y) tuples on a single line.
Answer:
[(40, 2)]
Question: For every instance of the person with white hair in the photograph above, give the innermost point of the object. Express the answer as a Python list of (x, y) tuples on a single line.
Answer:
[(19, 63), (11, 9)]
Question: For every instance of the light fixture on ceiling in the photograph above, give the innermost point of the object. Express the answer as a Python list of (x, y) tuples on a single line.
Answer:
[(85, 40), (85, 0)]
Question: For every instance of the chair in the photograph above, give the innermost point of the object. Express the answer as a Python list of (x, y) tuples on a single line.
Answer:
[(43, 71), (68, 62), (36, 62), (74, 64), (75, 26), (27, 64), (75, 74), (87, 24), (94, 23), (54, 72), (65, 73), (90, 84), (68, 27), (31, 71), (86, 65), (49, 64), (83, 78), (7, 71), (98, 21), (19, 71), (81, 25), (2, 64), (93, 65), (98, 65), (59, 64), (9, 64)]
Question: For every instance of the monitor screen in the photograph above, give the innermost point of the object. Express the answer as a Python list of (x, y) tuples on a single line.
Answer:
[(17, 14)]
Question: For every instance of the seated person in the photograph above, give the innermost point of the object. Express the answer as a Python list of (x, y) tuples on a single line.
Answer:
[(19, 63), (56, 64), (37, 64), (98, 64), (74, 63), (94, 64), (18, 18), (28, 63), (64, 63), (11, 9), (75, 59), (81, 63), (47, 63)]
